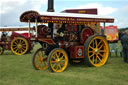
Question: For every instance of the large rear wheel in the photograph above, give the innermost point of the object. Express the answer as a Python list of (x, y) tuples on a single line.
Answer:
[(57, 60), (39, 59), (19, 46), (96, 51)]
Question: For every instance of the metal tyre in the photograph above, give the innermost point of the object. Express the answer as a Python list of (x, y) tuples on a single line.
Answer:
[(1, 50), (57, 60), (19, 46), (39, 59), (96, 51)]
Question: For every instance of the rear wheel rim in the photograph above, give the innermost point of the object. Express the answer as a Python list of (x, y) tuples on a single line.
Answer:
[(58, 60), (40, 59), (19, 46), (98, 51)]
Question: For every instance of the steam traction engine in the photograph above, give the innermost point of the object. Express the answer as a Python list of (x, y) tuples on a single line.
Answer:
[(18, 43), (69, 37)]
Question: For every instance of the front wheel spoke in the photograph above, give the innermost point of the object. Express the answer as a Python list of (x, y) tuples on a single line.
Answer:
[(63, 60), (61, 57), (90, 51), (59, 66), (62, 63), (91, 55), (54, 65), (57, 56)]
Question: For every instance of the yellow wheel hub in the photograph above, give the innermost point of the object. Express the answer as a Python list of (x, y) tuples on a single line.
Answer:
[(40, 59), (97, 51), (57, 60), (19, 46)]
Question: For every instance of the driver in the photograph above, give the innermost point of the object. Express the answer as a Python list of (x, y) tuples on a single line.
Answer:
[(61, 30), (55, 29)]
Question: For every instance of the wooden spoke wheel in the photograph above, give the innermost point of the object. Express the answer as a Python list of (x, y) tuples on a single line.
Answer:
[(96, 51), (86, 32), (39, 59), (19, 46), (57, 60), (1, 50)]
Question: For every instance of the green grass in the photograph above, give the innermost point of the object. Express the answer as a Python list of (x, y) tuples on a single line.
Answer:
[(18, 70)]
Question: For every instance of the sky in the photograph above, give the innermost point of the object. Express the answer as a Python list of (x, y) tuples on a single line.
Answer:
[(10, 10)]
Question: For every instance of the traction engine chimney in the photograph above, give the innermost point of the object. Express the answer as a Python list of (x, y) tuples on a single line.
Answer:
[(50, 6)]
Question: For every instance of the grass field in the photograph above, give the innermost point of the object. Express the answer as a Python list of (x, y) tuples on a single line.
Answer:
[(18, 70)]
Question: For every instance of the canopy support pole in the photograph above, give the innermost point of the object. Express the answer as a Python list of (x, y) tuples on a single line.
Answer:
[(104, 28), (36, 28), (29, 28)]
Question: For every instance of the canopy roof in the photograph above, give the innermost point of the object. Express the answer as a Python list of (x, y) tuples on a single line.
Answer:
[(73, 18)]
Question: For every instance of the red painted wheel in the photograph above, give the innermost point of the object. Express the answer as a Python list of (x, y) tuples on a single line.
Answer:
[(86, 32)]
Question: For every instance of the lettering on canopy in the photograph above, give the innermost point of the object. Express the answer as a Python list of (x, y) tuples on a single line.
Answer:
[(57, 19)]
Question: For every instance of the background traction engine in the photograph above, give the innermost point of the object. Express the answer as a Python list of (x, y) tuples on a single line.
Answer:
[(18, 43)]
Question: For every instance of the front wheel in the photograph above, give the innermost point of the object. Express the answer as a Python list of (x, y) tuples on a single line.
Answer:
[(57, 60), (39, 59), (96, 51)]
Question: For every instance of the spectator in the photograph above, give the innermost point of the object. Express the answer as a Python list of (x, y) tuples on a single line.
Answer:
[(124, 42)]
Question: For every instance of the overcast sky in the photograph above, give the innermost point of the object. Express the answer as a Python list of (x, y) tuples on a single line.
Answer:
[(10, 10)]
